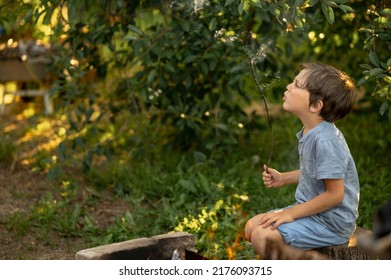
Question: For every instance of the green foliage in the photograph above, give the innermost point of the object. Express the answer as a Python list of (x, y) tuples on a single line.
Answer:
[(184, 64), (209, 196), (7, 150), (378, 37), (154, 96)]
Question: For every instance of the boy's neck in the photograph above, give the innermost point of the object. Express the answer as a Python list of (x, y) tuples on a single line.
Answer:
[(311, 123)]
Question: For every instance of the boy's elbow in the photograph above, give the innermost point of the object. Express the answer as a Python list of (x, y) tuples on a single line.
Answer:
[(338, 198)]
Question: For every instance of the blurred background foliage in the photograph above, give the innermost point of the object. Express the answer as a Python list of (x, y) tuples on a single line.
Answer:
[(164, 86)]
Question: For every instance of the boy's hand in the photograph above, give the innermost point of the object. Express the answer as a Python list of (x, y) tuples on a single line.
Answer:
[(274, 219), (271, 177)]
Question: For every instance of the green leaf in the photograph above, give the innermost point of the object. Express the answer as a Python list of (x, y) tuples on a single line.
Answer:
[(376, 71), (228, 2), (373, 58), (361, 81), (151, 77), (383, 108), (199, 157), (346, 8), (313, 2), (204, 182), (212, 24), (169, 68), (365, 66), (204, 68), (189, 59), (331, 3), (135, 30), (222, 126), (188, 185), (328, 12), (240, 8)]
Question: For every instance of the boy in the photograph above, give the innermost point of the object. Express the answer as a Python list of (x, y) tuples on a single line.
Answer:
[(327, 193)]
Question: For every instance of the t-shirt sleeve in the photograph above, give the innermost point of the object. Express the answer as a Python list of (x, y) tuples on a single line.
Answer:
[(331, 160)]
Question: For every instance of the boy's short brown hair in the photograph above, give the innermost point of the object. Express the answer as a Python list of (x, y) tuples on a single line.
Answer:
[(333, 87)]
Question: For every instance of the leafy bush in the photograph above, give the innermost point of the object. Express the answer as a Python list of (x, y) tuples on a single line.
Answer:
[(7, 151)]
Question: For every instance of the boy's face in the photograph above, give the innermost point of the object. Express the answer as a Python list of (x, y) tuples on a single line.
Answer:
[(297, 99)]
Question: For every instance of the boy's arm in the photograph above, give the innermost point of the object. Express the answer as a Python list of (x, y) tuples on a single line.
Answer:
[(291, 177), (333, 195), (274, 179)]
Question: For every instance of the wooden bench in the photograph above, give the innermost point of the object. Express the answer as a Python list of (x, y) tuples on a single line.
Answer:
[(47, 102)]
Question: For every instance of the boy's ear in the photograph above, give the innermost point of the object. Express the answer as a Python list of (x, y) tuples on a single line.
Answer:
[(316, 107)]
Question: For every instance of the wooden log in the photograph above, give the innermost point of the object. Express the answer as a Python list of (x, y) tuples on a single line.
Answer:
[(379, 247), (350, 250), (282, 251)]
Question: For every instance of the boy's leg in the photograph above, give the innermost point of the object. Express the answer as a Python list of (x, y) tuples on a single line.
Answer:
[(250, 225), (261, 235), (258, 235)]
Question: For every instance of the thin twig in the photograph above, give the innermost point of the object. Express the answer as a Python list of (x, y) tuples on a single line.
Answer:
[(262, 92)]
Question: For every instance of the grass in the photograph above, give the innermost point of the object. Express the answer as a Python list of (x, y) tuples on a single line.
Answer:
[(210, 196)]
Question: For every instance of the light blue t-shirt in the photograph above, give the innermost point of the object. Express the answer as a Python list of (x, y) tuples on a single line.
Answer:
[(324, 154)]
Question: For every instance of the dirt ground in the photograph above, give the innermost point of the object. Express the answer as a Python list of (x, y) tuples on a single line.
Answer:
[(20, 188)]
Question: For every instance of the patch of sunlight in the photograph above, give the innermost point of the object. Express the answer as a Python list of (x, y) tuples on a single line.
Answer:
[(61, 131), (107, 136), (48, 146), (19, 117), (5, 95), (9, 98), (42, 127), (241, 197), (10, 128), (11, 86), (28, 112)]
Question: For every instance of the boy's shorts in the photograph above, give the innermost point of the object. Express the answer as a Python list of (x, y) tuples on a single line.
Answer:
[(306, 234)]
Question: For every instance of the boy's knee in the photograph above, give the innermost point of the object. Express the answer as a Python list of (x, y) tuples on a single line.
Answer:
[(257, 233), (248, 228), (260, 234)]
